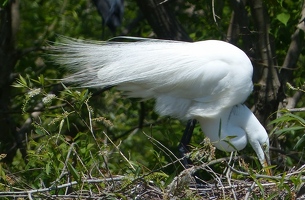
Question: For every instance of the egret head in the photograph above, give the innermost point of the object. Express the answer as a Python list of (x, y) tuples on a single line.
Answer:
[(256, 135), (238, 127), (259, 141)]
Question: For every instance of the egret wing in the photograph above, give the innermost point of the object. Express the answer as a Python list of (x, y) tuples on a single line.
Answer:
[(209, 73)]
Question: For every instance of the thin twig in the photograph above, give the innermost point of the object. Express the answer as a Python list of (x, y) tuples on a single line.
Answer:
[(296, 109), (229, 174), (118, 149), (213, 11), (250, 190), (154, 141), (64, 169)]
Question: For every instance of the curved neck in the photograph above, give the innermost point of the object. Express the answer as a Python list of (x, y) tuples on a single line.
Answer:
[(225, 130), (233, 128)]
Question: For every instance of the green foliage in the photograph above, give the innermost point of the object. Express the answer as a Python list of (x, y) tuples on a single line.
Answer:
[(289, 127), (3, 3), (292, 125), (79, 134), (58, 151), (283, 17)]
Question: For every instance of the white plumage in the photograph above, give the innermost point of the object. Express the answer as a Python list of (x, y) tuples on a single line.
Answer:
[(207, 81)]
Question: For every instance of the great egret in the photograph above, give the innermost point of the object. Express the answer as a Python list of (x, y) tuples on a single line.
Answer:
[(207, 81)]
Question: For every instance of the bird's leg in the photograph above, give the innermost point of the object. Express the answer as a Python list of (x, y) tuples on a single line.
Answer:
[(141, 114), (185, 141), (184, 147)]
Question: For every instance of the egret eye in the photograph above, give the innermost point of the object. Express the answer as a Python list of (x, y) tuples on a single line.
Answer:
[(265, 146)]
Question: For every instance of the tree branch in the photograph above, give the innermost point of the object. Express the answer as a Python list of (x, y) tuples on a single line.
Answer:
[(291, 60), (8, 58), (267, 77), (162, 20)]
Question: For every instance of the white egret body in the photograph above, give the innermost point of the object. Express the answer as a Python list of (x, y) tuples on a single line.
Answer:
[(207, 81)]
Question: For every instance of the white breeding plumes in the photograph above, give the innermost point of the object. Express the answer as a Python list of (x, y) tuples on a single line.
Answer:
[(207, 81)]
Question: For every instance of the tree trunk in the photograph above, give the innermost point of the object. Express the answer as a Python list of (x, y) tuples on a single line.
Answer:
[(162, 20), (239, 27), (265, 73), (8, 59)]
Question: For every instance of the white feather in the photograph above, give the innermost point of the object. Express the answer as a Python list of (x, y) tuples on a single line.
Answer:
[(187, 79), (205, 80)]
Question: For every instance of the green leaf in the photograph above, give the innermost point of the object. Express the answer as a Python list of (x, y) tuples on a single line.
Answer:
[(73, 171), (41, 79), (61, 125), (289, 129), (299, 142), (260, 186), (284, 118), (170, 178), (229, 137), (22, 80), (4, 3), (300, 119), (21, 83), (289, 117), (229, 143), (48, 168), (283, 17), (219, 132), (89, 146), (68, 123), (39, 131), (2, 173)]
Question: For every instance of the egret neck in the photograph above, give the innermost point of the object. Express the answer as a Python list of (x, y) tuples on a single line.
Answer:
[(232, 128)]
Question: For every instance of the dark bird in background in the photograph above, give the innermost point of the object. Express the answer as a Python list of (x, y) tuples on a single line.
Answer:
[(111, 12)]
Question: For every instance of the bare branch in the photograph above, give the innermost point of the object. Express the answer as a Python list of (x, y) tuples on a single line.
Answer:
[(267, 78), (162, 20), (291, 59)]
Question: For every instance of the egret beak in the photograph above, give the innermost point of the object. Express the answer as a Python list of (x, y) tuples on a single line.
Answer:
[(266, 162), (266, 168)]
